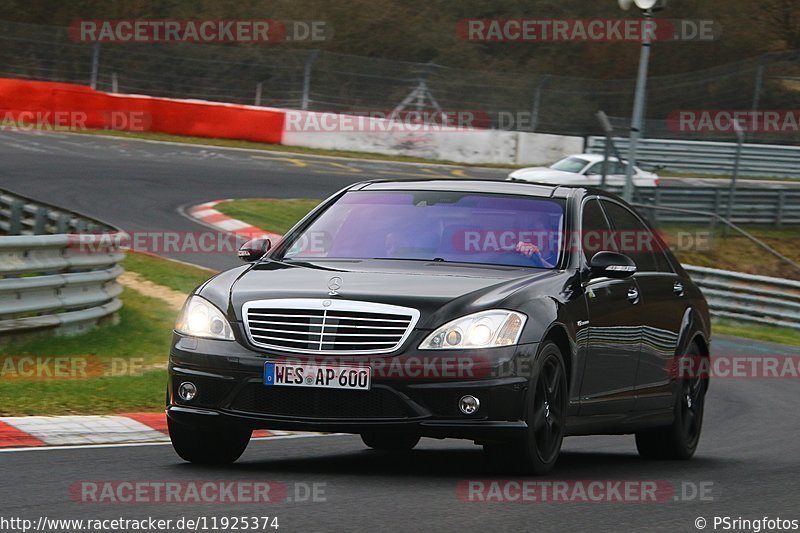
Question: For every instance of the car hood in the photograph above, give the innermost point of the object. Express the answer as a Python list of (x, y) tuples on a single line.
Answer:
[(435, 289)]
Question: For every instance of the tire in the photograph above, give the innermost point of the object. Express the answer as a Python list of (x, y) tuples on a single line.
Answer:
[(679, 440), (390, 441), (537, 451), (202, 446)]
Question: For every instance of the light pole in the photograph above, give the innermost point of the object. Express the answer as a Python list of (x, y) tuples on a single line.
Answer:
[(732, 191), (647, 7)]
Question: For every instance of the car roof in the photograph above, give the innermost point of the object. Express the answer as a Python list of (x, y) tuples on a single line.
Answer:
[(479, 186), (592, 158)]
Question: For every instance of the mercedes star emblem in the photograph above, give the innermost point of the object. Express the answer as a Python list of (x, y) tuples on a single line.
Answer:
[(334, 284)]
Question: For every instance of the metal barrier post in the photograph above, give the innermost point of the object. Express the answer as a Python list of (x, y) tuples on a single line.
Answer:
[(15, 217)]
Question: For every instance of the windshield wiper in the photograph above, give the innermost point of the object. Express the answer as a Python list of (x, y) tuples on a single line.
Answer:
[(435, 259), (294, 263)]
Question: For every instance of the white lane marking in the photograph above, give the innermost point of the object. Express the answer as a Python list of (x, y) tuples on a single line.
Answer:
[(159, 443), (21, 142)]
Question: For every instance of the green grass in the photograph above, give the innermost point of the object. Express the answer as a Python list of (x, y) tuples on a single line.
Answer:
[(270, 215), (103, 395), (126, 361), (736, 252), (779, 335), (177, 276), (143, 331), (135, 345)]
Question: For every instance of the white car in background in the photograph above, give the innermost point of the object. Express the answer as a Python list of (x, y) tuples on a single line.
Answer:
[(584, 169)]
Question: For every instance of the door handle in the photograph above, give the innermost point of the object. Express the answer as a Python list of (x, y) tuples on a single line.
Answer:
[(633, 295), (678, 288)]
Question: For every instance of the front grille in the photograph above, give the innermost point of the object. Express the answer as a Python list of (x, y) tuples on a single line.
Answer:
[(320, 403), (328, 326)]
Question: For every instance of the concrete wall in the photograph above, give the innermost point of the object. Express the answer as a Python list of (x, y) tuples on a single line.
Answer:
[(363, 134)]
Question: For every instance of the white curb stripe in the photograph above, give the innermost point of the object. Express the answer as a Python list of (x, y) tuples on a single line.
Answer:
[(161, 443), (71, 430), (203, 213), (232, 224)]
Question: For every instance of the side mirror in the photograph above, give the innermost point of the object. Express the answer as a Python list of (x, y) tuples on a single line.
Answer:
[(254, 249), (612, 265)]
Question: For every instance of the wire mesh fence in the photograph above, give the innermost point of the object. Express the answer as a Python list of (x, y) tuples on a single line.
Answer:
[(280, 76)]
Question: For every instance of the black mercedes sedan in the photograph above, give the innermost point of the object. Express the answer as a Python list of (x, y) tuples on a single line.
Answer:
[(510, 314)]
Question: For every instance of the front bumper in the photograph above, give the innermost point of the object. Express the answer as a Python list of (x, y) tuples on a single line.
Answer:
[(229, 380)]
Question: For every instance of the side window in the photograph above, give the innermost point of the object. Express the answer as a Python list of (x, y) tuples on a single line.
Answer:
[(594, 230), (660, 248), (614, 167), (596, 169), (661, 259), (633, 238)]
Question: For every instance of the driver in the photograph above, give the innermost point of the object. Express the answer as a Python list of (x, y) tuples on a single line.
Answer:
[(530, 250), (533, 251)]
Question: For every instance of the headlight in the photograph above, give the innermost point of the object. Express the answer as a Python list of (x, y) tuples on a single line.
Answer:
[(200, 318), (486, 329)]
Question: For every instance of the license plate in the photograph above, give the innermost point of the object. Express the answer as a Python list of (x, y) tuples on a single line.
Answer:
[(320, 376)]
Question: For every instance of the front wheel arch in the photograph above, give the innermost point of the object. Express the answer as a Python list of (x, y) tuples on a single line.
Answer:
[(557, 334)]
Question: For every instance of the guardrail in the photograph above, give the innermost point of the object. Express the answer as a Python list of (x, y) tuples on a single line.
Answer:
[(19, 216), (749, 298), (773, 206), (53, 275), (708, 157)]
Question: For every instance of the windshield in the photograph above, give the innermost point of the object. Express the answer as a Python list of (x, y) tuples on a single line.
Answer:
[(570, 164), (435, 226)]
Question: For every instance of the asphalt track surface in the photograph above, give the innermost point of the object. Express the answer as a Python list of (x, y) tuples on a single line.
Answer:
[(748, 458)]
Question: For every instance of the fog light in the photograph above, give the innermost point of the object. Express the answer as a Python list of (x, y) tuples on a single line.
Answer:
[(187, 391), (469, 404)]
